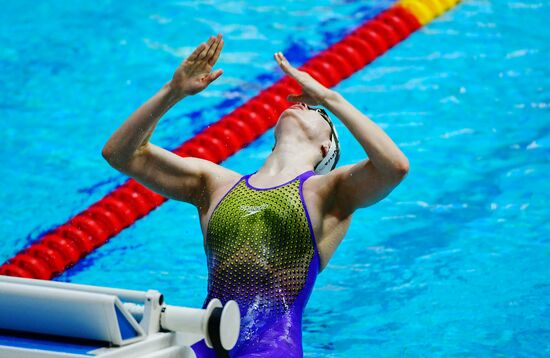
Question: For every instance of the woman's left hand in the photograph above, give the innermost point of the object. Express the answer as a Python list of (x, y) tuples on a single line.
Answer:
[(313, 93)]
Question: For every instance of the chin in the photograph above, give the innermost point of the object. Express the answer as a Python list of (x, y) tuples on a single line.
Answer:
[(291, 113)]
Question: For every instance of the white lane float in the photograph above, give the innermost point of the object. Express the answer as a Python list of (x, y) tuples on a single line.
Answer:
[(40, 318)]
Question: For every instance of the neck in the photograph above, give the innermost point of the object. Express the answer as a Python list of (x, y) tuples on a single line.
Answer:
[(287, 161)]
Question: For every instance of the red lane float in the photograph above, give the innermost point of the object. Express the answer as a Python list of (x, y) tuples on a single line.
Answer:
[(65, 245)]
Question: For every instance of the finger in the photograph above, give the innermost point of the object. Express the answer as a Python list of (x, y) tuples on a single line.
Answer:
[(282, 61), (212, 49), (197, 51), (208, 44), (217, 53), (214, 75), (301, 77), (286, 66), (279, 58)]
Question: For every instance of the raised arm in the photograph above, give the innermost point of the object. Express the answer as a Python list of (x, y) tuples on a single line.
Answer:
[(129, 150), (370, 180)]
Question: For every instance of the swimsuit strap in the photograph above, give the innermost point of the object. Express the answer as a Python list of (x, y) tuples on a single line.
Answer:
[(303, 176), (307, 174)]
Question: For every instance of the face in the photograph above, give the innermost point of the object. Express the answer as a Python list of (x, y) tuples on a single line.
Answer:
[(311, 123)]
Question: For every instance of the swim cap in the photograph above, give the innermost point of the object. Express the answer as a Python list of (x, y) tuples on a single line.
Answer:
[(330, 160)]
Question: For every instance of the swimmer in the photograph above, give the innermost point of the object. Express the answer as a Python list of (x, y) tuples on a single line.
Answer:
[(266, 234)]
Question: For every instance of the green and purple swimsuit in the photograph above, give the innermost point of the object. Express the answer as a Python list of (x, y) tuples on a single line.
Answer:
[(261, 252)]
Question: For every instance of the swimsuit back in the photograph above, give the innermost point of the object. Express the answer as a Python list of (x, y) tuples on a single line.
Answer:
[(261, 252)]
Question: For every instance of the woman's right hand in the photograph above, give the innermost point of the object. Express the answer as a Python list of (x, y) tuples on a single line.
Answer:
[(194, 74), (313, 93)]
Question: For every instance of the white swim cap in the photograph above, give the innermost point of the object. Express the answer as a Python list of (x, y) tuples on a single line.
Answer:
[(330, 160)]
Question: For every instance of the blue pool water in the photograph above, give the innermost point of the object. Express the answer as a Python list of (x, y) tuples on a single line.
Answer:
[(454, 263)]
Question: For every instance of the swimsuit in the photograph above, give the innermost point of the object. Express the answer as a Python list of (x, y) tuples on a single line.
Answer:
[(261, 252)]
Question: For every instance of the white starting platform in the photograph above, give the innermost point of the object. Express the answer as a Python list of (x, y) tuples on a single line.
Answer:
[(41, 318)]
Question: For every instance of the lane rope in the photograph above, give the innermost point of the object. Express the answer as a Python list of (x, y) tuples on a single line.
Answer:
[(62, 247)]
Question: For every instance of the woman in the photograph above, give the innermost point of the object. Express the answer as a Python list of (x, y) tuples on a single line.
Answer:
[(269, 233)]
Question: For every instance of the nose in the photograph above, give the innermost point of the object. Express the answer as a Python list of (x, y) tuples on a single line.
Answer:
[(300, 105)]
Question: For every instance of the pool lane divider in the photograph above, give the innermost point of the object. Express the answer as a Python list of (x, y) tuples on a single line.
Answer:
[(62, 247)]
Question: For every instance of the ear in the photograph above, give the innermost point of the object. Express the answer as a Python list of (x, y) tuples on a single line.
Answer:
[(324, 148)]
